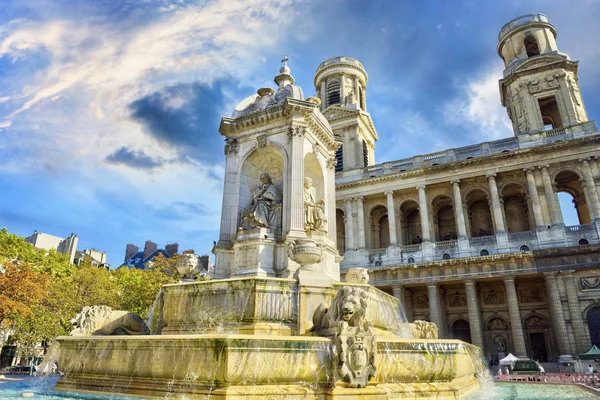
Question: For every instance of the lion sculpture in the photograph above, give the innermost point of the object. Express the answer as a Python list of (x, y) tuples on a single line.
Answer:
[(424, 330), (348, 309), (357, 275), (103, 320)]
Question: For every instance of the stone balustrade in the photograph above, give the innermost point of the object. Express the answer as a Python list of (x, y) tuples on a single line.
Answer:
[(525, 140), (478, 246)]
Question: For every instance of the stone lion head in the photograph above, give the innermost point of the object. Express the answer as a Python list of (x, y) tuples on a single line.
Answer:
[(350, 306), (88, 319), (357, 275)]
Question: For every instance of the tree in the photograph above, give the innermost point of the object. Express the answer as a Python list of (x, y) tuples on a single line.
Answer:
[(138, 288), (21, 289)]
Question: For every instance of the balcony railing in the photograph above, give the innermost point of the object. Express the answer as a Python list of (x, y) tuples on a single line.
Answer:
[(445, 244), (411, 248), (579, 228), (523, 19)]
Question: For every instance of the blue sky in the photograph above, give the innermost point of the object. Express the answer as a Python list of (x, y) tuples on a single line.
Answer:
[(109, 110)]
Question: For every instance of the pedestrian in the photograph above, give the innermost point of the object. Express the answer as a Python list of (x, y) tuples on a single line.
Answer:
[(590, 369)]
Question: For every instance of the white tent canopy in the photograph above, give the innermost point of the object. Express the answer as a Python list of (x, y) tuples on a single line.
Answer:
[(508, 360)]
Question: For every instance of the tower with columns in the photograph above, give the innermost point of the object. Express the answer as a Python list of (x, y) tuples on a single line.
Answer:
[(473, 238), (341, 84), (540, 88)]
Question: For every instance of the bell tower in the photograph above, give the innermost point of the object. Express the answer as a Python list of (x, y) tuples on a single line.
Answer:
[(341, 85), (540, 88)]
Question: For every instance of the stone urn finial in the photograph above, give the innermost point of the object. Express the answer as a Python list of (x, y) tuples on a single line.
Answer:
[(305, 252)]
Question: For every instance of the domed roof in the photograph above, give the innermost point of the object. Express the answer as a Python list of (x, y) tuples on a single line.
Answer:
[(267, 97)]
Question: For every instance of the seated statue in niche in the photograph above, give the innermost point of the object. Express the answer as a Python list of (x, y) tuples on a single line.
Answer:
[(314, 211), (265, 207)]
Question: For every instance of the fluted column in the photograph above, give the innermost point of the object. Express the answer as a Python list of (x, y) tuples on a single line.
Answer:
[(496, 206), (458, 209), (296, 135), (551, 198), (558, 316), (582, 343), (350, 245), (391, 217), (435, 311), (474, 314), (515, 317), (423, 211), (591, 187), (361, 222), (535, 198), (408, 306)]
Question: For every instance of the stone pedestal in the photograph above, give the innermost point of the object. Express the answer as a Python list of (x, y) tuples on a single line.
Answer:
[(254, 253)]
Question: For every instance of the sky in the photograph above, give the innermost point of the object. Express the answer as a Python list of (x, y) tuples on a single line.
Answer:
[(109, 110)]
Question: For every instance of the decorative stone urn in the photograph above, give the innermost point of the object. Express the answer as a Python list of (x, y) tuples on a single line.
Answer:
[(305, 252)]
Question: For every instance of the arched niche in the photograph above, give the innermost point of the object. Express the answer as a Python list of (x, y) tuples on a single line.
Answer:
[(313, 170), (267, 159), (340, 223), (516, 208), (480, 216)]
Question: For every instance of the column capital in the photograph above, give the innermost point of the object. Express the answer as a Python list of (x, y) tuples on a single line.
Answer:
[(508, 278), (389, 193), (420, 187), (550, 275), (349, 199), (584, 160), (491, 176), (359, 199), (544, 166), (455, 181), (597, 157), (470, 282), (529, 170), (433, 284)]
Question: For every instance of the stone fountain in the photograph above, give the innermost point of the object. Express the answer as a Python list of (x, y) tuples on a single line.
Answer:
[(275, 321)]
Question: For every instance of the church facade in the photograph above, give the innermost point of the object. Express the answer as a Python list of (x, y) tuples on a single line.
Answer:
[(473, 238)]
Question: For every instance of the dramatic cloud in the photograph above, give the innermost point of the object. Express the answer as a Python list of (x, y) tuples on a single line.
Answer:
[(133, 159), (184, 116)]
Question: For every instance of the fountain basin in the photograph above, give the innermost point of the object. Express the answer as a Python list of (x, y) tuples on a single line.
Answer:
[(265, 366)]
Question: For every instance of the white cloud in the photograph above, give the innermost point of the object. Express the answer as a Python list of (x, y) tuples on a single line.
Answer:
[(478, 108)]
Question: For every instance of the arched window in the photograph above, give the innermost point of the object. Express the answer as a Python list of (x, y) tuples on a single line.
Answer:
[(446, 256), (531, 46), (461, 330), (333, 92), (411, 260), (484, 252), (583, 242), (593, 320), (571, 198), (524, 248)]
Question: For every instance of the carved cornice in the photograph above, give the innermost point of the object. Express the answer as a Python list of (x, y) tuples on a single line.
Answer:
[(520, 156)]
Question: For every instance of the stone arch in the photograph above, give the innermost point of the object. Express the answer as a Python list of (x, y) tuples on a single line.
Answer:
[(516, 208), (340, 224), (410, 219), (568, 181), (270, 159), (537, 336), (479, 212), (531, 46), (380, 227), (497, 323), (461, 330), (444, 220), (497, 336), (593, 322)]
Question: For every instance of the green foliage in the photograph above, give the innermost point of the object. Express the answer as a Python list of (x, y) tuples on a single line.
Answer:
[(40, 292)]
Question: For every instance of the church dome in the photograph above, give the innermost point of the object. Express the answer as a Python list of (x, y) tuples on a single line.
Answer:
[(267, 97)]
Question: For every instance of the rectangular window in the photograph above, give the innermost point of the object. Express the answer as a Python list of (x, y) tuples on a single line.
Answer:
[(339, 159), (365, 154), (550, 113)]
